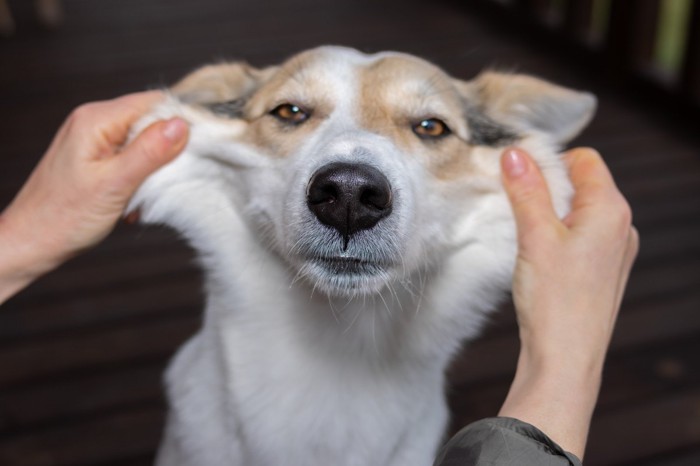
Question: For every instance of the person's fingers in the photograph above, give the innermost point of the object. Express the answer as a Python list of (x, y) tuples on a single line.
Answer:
[(157, 145), (595, 191), (527, 191), (110, 120)]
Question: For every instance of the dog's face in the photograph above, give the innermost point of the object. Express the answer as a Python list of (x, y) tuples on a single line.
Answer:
[(362, 170)]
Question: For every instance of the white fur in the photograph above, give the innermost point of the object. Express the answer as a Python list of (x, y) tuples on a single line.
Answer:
[(287, 371)]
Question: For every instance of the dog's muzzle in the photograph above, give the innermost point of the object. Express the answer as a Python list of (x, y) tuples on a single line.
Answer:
[(349, 197)]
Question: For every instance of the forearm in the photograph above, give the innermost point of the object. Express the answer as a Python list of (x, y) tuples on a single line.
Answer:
[(21, 261), (557, 395)]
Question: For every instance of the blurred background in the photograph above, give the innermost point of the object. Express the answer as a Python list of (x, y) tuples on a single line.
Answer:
[(83, 349)]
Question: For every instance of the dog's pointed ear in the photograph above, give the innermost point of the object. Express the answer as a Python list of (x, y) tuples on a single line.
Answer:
[(525, 103), (223, 88)]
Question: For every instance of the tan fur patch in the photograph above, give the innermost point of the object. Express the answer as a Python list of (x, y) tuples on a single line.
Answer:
[(397, 92), (220, 83), (295, 83)]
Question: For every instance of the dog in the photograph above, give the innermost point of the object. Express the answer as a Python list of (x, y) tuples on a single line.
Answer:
[(348, 213)]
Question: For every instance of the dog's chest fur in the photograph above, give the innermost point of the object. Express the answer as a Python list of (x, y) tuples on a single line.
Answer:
[(348, 214), (309, 390)]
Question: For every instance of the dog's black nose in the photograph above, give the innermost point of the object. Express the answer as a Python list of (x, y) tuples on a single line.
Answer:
[(349, 197)]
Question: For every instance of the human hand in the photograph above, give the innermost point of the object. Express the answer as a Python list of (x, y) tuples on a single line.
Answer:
[(80, 188), (569, 280)]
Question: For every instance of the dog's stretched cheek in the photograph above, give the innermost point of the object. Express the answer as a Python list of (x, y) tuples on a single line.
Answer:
[(555, 172)]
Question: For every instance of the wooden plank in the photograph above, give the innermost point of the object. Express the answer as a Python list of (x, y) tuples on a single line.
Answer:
[(686, 457), (663, 280), (134, 267), (648, 321), (88, 396), (61, 356), (633, 377), (657, 214), (130, 433), (681, 185), (138, 460), (95, 311), (674, 243), (644, 430)]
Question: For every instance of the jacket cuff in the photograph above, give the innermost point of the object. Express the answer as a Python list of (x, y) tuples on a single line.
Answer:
[(503, 441)]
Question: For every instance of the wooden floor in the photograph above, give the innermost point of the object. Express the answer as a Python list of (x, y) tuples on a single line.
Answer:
[(82, 350)]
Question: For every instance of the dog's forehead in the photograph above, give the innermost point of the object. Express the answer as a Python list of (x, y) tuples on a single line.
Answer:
[(340, 71)]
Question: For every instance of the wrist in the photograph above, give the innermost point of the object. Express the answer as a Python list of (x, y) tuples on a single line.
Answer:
[(577, 356), (578, 364), (556, 393)]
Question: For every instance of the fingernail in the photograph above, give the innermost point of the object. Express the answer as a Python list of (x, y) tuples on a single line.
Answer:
[(175, 129), (514, 163)]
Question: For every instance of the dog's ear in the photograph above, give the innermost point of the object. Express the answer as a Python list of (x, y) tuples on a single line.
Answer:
[(525, 103), (222, 88)]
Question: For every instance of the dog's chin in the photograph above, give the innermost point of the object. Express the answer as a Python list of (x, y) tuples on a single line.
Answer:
[(347, 277)]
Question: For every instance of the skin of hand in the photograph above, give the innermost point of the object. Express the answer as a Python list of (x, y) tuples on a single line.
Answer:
[(80, 188), (569, 280)]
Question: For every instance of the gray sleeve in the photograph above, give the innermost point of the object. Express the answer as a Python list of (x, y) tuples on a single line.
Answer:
[(502, 441)]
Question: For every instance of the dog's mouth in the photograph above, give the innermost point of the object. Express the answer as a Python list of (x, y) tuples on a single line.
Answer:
[(338, 275), (348, 266)]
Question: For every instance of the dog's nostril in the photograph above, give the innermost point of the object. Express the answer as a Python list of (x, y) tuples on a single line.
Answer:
[(349, 197), (322, 193), (377, 198)]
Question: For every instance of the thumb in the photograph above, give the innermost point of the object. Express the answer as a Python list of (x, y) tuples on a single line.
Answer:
[(527, 191), (157, 145)]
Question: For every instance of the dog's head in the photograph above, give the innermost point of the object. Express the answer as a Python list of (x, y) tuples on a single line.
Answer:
[(356, 170)]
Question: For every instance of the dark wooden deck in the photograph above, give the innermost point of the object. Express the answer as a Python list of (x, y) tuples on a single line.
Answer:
[(82, 350)]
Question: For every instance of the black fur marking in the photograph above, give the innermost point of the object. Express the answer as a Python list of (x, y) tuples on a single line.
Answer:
[(231, 109), (487, 132)]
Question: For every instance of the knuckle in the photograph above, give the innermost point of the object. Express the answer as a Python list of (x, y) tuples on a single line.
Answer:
[(621, 217), (82, 115), (584, 153), (634, 241), (624, 212), (591, 152), (83, 111)]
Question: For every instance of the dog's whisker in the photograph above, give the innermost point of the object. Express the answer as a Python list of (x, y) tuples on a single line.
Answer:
[(330, 304), (352, 322), (386, 306), (298, 276), (396, 296), (374, 331), (422, 282)]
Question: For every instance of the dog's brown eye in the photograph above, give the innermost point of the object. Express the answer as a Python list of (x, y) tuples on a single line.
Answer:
[(290, 113), (431, 128)]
